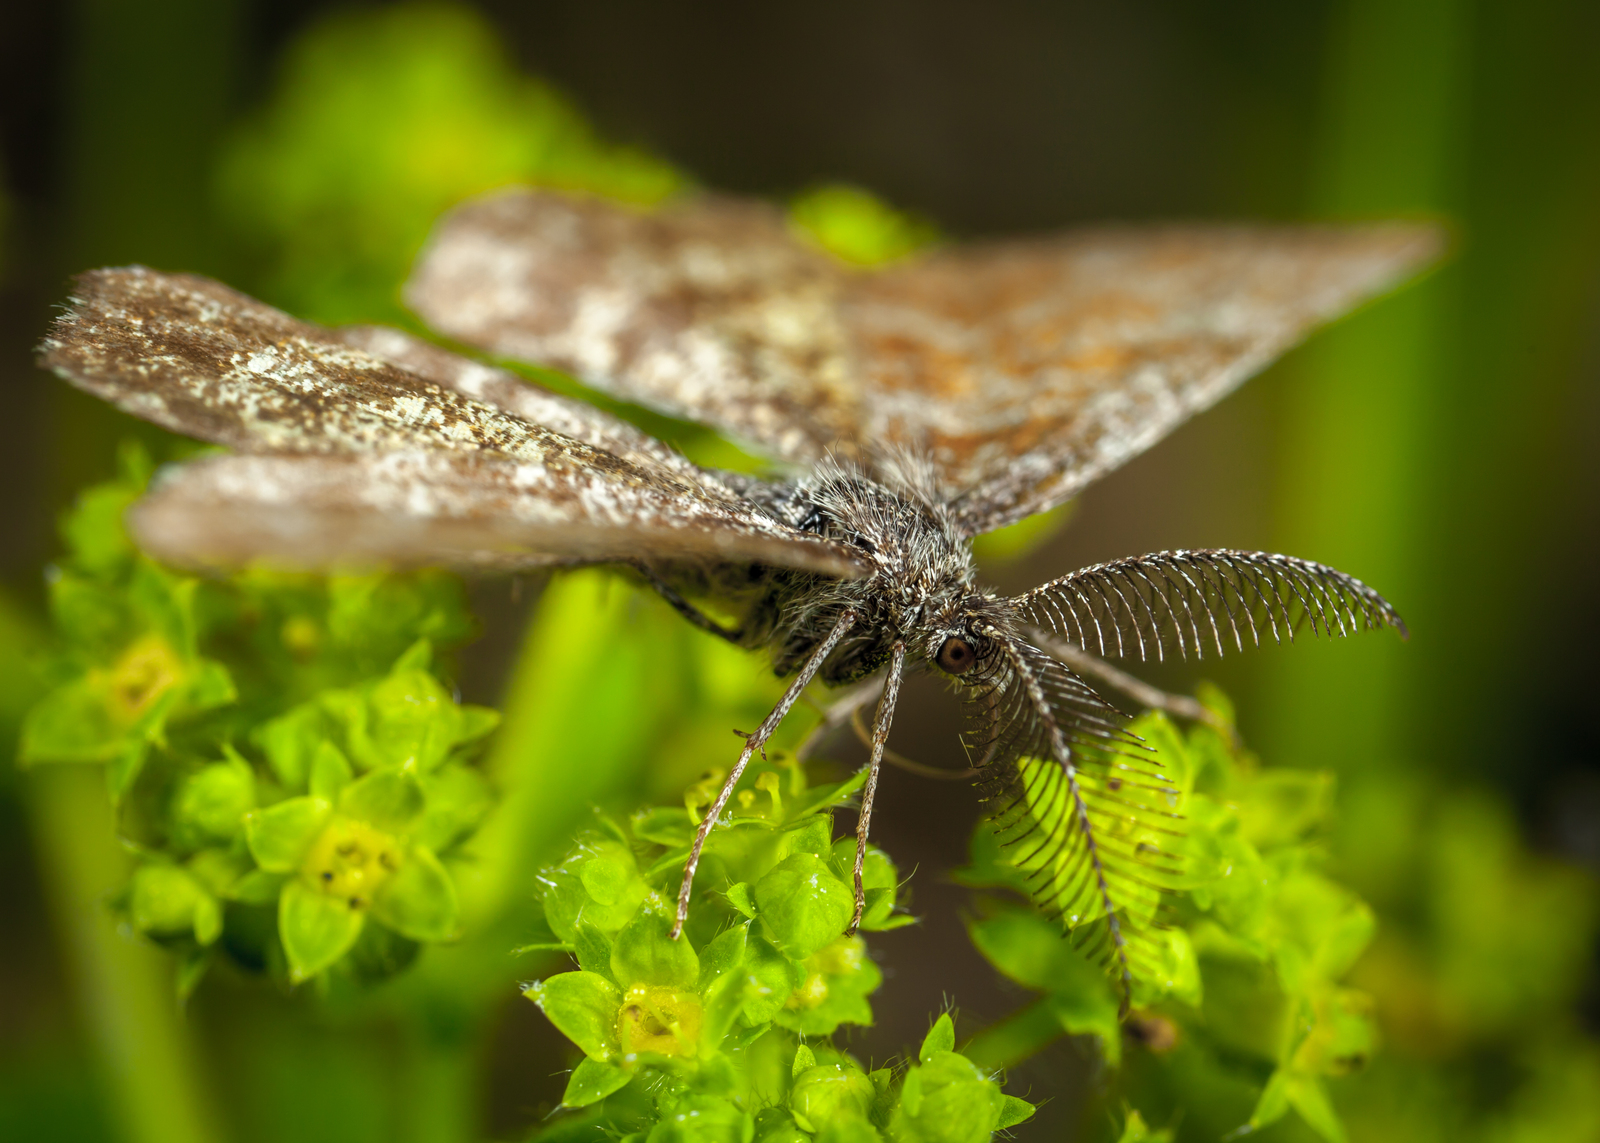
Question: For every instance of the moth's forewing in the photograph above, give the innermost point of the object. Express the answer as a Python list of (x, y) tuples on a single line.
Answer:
[(509, 393), (204, 360), (1029, 369), (1025, 369), (708, 310), (352, 459)]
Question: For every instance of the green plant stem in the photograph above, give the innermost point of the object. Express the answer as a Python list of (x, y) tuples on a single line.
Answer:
[(125, 988), (1022, 1034), (1364, 418), (441, 1100)]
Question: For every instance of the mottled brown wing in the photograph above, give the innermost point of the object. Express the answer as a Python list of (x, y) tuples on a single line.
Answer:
[(350, 458), (1025, 369), (509, 393), (1030, 369), (708, 310), (435, 507)]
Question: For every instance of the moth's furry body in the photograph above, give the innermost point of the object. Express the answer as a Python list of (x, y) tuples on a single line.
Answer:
[(921, 588)]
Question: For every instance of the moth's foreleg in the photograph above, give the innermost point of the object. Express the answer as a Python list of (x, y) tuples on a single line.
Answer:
[(755, 741), (1141, 692), (686, 609), (880, 736)]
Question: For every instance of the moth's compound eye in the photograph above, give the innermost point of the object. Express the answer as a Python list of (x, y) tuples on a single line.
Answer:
[(957, 655)]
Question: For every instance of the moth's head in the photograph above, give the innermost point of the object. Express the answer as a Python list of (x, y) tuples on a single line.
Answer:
[(967, 642)]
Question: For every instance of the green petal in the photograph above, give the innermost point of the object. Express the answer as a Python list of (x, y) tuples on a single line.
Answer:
[(164, 900), (803, 904), (316, 929), (947, 1100), (414, 722), (940, 1038), (1014, 1111), (645, 953), (419, 900), (458, 799), (593, 950), (290, 743), (69, 724), (739, 897), (583, 1006), (388, 799), (592, 1081), (772, 978), (476, 721), (280, 835), (330, 771)]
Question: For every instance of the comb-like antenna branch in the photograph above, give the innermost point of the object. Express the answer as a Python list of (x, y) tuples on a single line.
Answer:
[(1195, 600)]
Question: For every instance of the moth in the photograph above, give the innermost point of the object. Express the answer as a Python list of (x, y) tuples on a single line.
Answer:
[(907, 410)]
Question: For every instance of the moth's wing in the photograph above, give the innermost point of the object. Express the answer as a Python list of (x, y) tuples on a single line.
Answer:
[(708, 309), (466, 510), (504, 390), (349, 458), (1025, 369), (204, 360), (1029, 369)]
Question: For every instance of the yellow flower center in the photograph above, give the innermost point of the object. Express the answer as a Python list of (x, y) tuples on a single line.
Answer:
[(148, 669), (351, 860), (658, 1019)]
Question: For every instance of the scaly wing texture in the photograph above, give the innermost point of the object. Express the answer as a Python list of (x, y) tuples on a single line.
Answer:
[(1030, 369), (348, 457), (466, 510), (1025, 369), (708, 310)]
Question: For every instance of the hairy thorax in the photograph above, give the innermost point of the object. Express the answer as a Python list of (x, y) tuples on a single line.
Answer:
[(922, 583)]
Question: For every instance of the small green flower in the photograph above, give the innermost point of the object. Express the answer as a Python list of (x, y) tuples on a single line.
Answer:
[(698, 1041), (945, 1098), (351, 852), (131, 667)]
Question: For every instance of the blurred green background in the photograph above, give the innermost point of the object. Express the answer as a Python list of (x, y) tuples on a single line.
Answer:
[(1442, 445)]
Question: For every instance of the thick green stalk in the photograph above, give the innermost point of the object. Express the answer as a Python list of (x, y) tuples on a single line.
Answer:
[(125, 987), (1361, 429)]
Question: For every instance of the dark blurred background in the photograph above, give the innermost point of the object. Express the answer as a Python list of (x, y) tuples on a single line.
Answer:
[(1443, 445)]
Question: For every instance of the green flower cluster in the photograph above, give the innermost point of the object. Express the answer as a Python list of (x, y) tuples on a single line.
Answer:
[(713, 1036), (1257, 938), (283, 757)]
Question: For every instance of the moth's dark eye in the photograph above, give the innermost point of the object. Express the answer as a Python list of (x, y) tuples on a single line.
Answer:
[(957, 655)]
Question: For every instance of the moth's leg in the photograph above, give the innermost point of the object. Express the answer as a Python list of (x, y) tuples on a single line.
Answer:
[(686, 609), (843, 709), (880, 736), (756, 740), (1141, 692)]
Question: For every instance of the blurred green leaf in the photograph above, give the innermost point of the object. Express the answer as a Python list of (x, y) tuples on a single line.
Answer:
[(378, 122)]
